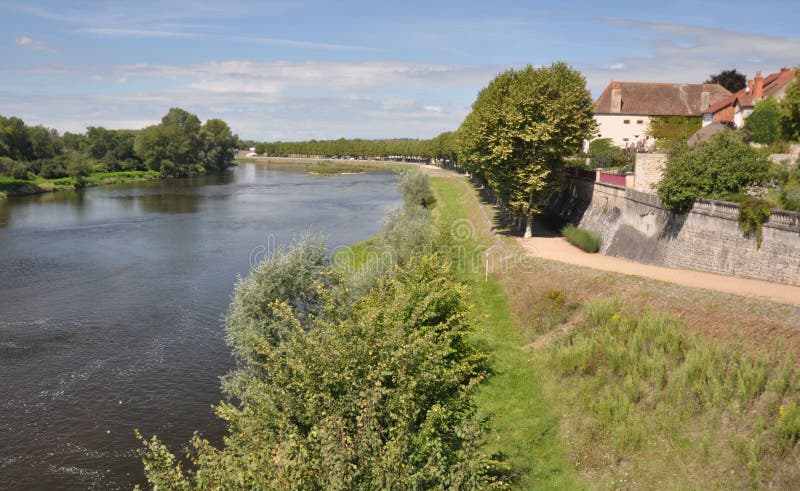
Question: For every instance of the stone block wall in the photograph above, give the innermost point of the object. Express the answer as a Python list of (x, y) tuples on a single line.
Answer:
[(634, 225), (647, 170)]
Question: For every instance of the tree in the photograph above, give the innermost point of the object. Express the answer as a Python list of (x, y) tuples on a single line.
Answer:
[(217, 144), (764, 122), (520, 128), (45, 142), (730, 79), (789, 111), (718, 169), (14, 139), (173, 146)]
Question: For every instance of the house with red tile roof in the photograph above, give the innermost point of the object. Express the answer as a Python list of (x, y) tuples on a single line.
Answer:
[(624, 110), (734, 109)]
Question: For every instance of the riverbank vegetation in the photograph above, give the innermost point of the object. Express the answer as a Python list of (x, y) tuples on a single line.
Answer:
[(36, 159), (344, 388)]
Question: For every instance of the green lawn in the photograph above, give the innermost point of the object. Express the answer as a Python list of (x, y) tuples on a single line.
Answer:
[(525, 429)]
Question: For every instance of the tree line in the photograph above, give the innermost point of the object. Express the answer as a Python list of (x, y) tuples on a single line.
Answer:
[(178, 146), (443, 146)]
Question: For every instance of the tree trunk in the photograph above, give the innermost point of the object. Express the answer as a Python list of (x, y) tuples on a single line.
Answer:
[(528, 228)]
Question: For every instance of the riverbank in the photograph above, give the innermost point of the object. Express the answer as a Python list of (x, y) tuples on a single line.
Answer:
[(603, 380), (18, 187)]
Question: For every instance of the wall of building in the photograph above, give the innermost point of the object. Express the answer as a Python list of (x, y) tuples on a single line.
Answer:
[(635, 226), (613, 126)]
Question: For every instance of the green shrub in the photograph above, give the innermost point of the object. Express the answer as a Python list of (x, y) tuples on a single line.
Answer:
[(722, 166), (764, 124), (789, 423), (788, 203), (753, 213), (580, 237), (415, 188)]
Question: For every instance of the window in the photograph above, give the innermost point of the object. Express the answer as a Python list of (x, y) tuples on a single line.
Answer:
[(639, 121), (627, 121), (625, 139)]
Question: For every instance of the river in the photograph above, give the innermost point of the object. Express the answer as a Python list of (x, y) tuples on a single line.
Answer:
[(110, 306)]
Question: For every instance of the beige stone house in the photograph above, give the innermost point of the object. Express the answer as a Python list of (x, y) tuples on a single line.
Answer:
[(624, 110)]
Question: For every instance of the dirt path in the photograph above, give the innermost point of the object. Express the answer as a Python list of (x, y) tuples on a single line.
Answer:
[(558, 249)]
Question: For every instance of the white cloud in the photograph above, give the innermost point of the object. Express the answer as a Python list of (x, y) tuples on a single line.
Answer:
[(684, 53), (28, 43)]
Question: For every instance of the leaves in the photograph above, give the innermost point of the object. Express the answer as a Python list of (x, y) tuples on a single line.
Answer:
[(521, 126)]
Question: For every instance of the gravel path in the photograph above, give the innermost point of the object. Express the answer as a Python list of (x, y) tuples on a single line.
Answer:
[(558, 249)]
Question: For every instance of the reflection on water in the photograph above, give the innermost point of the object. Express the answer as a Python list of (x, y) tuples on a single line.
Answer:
[(110, 300)]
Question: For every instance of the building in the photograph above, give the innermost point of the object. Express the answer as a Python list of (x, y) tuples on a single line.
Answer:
[(734, 109), (624, 110)]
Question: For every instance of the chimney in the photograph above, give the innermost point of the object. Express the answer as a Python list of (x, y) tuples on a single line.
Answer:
[(616, 97), (705, 98), (784, 69), (758, 87), (749, 87)]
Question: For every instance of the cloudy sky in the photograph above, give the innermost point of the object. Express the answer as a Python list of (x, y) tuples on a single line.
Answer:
[(300, 69)]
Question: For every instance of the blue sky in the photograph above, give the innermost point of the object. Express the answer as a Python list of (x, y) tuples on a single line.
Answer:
[(298, 70)]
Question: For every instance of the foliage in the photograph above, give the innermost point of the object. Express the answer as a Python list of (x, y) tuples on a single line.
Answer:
[(415, 189), (730, 79), (442, 146), (672, 131), (789, 111), (764, 123), (585, 239), (753, 213), (520, 128), (177, 146), (722, 166), (786, 202), (373, 396), (604, 154)]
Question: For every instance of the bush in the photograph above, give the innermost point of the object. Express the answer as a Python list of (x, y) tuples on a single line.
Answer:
[(6, 164), (415, 188), (376, 395), (764, 124), (722, 166), (789, 111), (580, 237)]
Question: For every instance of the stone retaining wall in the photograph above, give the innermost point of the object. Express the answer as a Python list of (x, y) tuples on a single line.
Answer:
[(634, 225)]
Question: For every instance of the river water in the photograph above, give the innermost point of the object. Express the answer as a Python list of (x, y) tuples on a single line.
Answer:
[(110, 305)]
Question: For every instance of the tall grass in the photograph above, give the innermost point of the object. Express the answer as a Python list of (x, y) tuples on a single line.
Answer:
[(580, 237), (642, 390)]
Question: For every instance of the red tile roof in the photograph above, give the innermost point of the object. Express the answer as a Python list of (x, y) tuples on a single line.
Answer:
[(659, 99), (773, 83)]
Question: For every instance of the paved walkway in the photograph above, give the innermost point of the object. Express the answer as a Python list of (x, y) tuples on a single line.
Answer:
[(558, 249)]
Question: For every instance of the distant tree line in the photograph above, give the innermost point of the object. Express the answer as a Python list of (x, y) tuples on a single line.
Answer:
[(443, 146), (180, 145)]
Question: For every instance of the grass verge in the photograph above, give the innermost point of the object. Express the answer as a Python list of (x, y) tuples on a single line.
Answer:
[(525, 430)]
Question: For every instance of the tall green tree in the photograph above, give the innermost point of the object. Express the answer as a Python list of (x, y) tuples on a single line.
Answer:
[(520, 128), (790, 111), (217, 144), (730, 79), (176, 146)]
